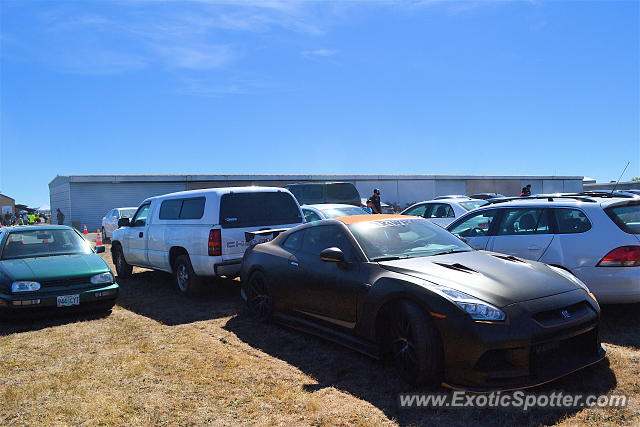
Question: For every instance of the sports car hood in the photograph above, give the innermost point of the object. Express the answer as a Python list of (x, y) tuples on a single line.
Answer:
[(53, 267), (495, 278)]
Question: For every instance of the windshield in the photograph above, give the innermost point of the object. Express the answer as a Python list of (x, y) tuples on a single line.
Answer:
[(473, 204), (39, 243), (404, 238), (127, 213), (345, 211), (626, 217)]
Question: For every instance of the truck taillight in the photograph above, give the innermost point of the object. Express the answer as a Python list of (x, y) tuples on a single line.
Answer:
[(624, 256), (215, 243)]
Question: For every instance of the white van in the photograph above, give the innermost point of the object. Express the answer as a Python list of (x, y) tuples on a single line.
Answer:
[(201, 233)]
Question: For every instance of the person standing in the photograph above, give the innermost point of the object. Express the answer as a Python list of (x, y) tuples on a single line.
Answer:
[(375, 199), (60, 216)]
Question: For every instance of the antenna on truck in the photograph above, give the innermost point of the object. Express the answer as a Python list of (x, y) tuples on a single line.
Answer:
[(618, 181)]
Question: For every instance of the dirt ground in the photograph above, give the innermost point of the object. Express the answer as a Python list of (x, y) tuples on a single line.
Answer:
[(164, 359)]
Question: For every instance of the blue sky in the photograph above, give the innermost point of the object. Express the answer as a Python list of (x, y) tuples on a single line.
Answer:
[(268, 87)]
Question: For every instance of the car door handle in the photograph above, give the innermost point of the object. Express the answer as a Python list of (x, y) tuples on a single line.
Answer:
[(140, 234), (295, 264), (533, 248)]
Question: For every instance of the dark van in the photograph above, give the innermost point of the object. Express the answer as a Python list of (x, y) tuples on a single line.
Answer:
[(325, 192)]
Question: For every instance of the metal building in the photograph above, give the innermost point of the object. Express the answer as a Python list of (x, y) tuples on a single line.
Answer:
[(85, 199)]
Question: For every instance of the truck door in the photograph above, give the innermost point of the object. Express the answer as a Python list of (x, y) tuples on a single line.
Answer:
[(136, 240)]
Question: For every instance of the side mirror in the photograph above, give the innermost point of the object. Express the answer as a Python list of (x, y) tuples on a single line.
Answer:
[(100, 249), (124, 222), (332, 255)]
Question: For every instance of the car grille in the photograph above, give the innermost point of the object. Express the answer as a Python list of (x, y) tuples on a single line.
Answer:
[(70, 281), (561, 315)]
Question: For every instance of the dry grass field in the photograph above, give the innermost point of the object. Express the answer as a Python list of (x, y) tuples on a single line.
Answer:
[(163, 359)]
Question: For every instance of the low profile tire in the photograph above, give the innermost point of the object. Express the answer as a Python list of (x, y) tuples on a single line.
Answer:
[(415, 344), (123, 268), (187, 280), (260, 301)]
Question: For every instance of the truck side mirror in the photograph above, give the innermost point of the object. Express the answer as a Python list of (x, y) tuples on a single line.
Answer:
[(124, 222)]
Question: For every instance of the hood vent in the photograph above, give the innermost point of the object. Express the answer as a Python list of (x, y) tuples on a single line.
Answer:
[(509, 258), (457, 267)]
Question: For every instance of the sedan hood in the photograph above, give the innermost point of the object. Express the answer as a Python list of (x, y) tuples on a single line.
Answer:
[(53, 267), (495, 278)]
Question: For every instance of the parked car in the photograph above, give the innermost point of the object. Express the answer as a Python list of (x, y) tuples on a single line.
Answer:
[(451, 196), (386, 208), (326, 211), (201, 233), (597, 239), (110, 220), (314, 193), (444, 211), (610, 193), (52, 268), (486, 196), (395, 284)]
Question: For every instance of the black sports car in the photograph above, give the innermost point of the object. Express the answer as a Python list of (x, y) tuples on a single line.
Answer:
[(399, 285)]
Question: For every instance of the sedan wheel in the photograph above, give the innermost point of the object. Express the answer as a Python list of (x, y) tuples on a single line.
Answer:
[(259, 299)]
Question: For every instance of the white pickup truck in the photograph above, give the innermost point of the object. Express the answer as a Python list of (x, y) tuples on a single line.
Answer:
[(201, 233)]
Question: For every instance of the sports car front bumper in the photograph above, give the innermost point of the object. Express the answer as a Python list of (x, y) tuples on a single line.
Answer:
[(541, 340)]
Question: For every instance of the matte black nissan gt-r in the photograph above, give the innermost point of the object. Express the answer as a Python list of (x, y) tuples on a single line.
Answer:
[(399, 285)]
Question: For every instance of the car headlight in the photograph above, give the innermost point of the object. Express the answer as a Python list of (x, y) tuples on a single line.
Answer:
[(570, 276), (102, 278), (25, 286), (474, 307)]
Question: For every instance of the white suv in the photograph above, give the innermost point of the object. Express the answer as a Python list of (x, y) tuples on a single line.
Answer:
[(201, 233), (597, 239)]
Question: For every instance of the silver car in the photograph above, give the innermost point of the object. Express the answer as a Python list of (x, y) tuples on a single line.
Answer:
[(110, 220), (594, 238), (329, 210)]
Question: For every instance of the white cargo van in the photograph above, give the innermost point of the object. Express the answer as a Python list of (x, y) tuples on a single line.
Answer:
[(201, 233)]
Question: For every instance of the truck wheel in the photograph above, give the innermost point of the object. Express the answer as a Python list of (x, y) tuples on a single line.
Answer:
[(104, 235), (258, 294), (123, 268), (187, 280), (415, 344)]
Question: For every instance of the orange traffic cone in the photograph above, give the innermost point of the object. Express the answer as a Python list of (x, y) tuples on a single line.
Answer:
[(99, 239), (84, 230)]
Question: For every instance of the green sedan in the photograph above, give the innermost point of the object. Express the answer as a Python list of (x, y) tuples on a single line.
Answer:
[(52, 268)]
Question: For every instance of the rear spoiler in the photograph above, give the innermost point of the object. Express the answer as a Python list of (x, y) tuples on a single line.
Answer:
[(250, 235)]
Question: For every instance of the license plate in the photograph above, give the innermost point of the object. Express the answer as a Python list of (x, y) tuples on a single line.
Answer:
[(67, 300)]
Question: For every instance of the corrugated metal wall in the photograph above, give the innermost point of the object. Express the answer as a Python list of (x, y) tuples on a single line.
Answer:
[(87, 202), (60, 198), (90, 201)]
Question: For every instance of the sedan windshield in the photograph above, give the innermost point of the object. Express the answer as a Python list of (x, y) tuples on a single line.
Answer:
[(346, 211), (473, 204), (41, 243), (400, 238)]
